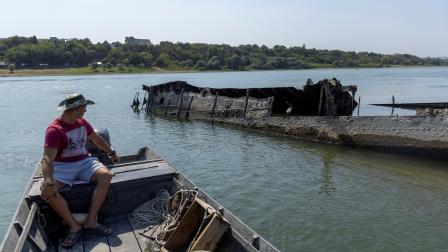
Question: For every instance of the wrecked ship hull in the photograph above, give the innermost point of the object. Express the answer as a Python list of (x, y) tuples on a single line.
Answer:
[(325, 98)]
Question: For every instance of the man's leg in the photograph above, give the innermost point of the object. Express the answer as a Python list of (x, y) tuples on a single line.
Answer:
[(59, 204), (102, 177)]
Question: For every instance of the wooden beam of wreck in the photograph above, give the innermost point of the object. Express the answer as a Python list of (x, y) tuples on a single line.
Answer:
[(320, 100), (214, 105), (262, 92), (271, 104), (149, 101), (235, 93), (393, 106), (359, 103), (166, 108), (246, 102), (187, 114), (180, 102)]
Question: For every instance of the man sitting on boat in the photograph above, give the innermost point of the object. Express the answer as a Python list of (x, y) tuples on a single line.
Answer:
[(67, 160)]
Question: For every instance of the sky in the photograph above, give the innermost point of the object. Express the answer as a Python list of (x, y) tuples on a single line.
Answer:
[(414, 27)]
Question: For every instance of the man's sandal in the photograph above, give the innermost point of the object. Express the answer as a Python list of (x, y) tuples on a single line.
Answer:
[(100, 230), (71, 238)]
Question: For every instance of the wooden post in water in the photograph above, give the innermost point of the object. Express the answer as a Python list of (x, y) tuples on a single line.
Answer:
[(353, 101), (144, 98), (359, 103), (187, 115), (246, 102), (149, 101), (180, 103), (214, 105), (393, 106), (166, 107)]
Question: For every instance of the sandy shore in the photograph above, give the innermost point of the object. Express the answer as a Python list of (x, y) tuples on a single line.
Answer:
[(87, 71)]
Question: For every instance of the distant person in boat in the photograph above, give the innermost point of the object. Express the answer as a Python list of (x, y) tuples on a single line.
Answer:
[(67, 160)]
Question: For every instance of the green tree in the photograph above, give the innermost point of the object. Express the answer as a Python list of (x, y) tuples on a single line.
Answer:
[(56, 52), (147, 59), (234, 62), (201, 65), (11, 68), (163, 60), (214, 63)]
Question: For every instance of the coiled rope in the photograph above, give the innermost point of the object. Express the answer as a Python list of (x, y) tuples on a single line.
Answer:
[(166, 209), (153, 211)]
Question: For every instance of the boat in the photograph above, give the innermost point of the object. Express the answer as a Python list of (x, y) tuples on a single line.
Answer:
[(137, 179), (327, 97)]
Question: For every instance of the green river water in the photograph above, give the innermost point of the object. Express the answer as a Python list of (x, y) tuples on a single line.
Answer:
[(298, 195)]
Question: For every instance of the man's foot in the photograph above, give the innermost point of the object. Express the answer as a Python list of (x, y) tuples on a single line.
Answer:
[(71, 238), (98, 229)]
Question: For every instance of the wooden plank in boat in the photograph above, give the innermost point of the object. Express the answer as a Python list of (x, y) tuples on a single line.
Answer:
[(35, 188), (135, 166), (189, 223), (26, 227), (123, 238), (123, 174), (143, 241), (94, 242), (162, 169), (212, 234)]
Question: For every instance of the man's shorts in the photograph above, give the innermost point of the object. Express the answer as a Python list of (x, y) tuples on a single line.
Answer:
[(79, 171)]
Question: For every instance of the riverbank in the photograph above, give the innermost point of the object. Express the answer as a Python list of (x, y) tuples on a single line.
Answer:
[(134, 70), (88, 71)]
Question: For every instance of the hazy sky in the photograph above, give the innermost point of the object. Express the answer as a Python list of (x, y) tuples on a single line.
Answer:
[(414, 27)]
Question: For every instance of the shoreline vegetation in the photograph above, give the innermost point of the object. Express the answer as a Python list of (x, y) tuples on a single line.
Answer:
[(30, 56), (4, 73), (88, 71)]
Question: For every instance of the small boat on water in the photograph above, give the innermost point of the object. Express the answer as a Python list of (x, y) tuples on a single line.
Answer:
[(204, 225)]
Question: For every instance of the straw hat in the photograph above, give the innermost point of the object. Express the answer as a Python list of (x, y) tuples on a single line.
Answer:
[(73, 101)]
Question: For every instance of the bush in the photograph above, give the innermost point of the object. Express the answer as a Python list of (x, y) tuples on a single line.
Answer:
[(187, 63), (11, 68), (201, 65), (214, 63)]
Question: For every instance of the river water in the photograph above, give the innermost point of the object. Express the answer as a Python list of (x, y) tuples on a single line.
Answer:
[(298, 195)]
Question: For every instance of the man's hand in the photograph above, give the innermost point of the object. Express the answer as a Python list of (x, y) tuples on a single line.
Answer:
[(100, 143), (115, 158), (48, 190)]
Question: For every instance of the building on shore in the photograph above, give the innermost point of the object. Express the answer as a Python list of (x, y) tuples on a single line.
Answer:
[(136, 41)]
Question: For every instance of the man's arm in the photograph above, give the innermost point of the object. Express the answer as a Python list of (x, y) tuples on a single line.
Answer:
[(47, 164), (100, 143), (48, 188)]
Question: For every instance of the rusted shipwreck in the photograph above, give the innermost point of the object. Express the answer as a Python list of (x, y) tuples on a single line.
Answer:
[(327, 97)]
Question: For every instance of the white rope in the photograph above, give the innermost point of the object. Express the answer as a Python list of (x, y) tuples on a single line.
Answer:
[(158, 211), (172, 221), (152, 211)]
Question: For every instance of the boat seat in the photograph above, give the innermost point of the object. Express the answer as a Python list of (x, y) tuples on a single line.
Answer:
[(130, 182)]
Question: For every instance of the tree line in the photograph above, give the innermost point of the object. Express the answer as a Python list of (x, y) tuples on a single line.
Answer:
[(30, 52)]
